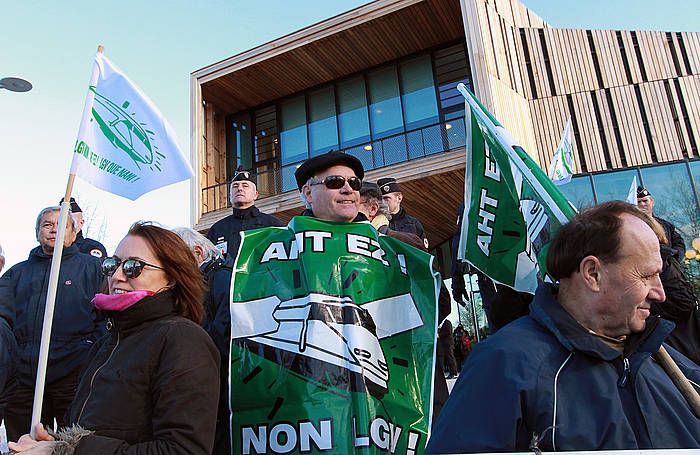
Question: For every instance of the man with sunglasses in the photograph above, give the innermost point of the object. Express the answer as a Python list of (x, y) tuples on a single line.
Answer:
[(225, 233), (330, 187), (76, 325)]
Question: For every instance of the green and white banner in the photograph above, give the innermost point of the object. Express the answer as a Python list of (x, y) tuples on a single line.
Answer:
[(333, 331), (125, 146), (512, 208)]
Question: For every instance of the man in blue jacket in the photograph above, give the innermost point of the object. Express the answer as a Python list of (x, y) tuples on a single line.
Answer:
[(577, 373), (23, 289)]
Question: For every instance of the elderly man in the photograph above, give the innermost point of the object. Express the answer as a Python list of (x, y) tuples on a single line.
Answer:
[(578, 373), (75, 325), (400, 220), (330, 185), (85, 244), (645, 202), (225, 233)]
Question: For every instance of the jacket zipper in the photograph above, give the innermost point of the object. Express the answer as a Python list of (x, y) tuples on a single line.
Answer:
[(110, 324), (625, 372)]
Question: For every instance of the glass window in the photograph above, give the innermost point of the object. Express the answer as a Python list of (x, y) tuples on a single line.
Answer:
[(579, 192), (293, 135), (612, 186), (673, 196), (323, 130), (353, 118), (240, 145), (385, 113), (418, 93)]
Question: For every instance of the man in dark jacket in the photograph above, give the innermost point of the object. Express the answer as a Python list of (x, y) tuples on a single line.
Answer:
[(645, 202), (226, 233), (85, 244), (578, 373), (75, 325), (217, 320), (400, 220)]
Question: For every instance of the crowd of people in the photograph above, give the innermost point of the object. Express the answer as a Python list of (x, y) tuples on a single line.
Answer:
[(139, 350)]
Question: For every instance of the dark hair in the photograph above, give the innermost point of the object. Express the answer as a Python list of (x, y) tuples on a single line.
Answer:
[(593, 232), (179, 265)]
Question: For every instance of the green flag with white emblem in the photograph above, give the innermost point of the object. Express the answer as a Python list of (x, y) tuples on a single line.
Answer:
[(333, 330), (125, 145), (512, 209)]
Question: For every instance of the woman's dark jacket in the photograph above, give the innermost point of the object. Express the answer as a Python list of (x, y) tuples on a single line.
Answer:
[(151, 385)]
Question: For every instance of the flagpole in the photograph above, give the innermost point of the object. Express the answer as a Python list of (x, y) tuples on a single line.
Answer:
[(55, 269)]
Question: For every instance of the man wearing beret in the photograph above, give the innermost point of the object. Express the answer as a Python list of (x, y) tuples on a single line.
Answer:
[(85, 244), (225, 233), (400, 220), (645, 202)]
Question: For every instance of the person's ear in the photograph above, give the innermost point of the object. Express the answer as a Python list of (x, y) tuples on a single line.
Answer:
[(306, 190), (591, 270)]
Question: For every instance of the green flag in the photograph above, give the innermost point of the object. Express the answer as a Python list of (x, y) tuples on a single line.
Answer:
[(333, 331), (512, 208)]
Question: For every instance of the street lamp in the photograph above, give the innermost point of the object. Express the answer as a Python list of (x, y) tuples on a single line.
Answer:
[(15, 84)]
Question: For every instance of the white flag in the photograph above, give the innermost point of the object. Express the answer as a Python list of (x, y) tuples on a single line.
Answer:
[(562, 166), (124, 145), (632, 195)]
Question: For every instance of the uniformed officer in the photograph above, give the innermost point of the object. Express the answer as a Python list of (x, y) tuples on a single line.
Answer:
[(225, 233), (645, 202), (85, 244), (400, 220)]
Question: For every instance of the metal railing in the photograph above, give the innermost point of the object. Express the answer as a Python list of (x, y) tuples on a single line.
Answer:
[(397, 148)]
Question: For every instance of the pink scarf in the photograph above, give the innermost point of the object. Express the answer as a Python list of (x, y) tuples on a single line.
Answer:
[(118, 302)]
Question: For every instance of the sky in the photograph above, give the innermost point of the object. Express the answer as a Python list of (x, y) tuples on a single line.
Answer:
[(158, 44)]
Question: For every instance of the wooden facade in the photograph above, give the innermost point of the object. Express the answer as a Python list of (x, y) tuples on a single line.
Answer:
[(633, 96)]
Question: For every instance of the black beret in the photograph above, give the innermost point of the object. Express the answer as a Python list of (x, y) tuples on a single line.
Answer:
[(320, 163), (642, 192), (74, 207), (388, 185), (244, 174)]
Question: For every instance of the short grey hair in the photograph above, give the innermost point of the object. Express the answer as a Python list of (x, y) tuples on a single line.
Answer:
[(53, 208), (193, 238)]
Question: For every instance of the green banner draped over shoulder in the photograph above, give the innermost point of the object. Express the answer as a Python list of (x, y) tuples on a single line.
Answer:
[(333, 331), (512, 209)]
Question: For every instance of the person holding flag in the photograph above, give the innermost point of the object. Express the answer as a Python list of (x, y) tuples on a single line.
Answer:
[(151, 385), (124, 146)]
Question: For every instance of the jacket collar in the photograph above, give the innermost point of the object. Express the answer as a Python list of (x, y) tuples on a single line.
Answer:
[(400, 214), (38, 253), (147, 309), (251, 211), (546, 310)]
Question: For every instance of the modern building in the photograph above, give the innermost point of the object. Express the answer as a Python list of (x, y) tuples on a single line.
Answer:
[(378, 82)]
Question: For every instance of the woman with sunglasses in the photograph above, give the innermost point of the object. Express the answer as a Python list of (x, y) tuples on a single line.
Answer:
[(152, 383)]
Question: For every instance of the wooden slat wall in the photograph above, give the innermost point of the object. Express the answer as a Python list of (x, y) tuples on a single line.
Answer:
[(213, 157), (592, 78)]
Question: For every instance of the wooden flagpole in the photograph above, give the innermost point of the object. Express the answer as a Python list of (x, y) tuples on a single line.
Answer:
[(55, 269)]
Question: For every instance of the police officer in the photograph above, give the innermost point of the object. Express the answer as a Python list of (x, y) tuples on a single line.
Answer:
[(645, 202), (225, 233), (400, 220), (85, 244)]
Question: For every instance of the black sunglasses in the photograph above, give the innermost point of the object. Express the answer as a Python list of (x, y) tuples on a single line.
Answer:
[(132, 267), (336, 182)]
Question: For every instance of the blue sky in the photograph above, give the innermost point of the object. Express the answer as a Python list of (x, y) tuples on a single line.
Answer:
[(158, 44)]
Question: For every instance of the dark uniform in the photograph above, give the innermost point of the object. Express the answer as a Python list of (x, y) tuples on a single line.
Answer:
[(401, 221), (225, 233), (89, 246)]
